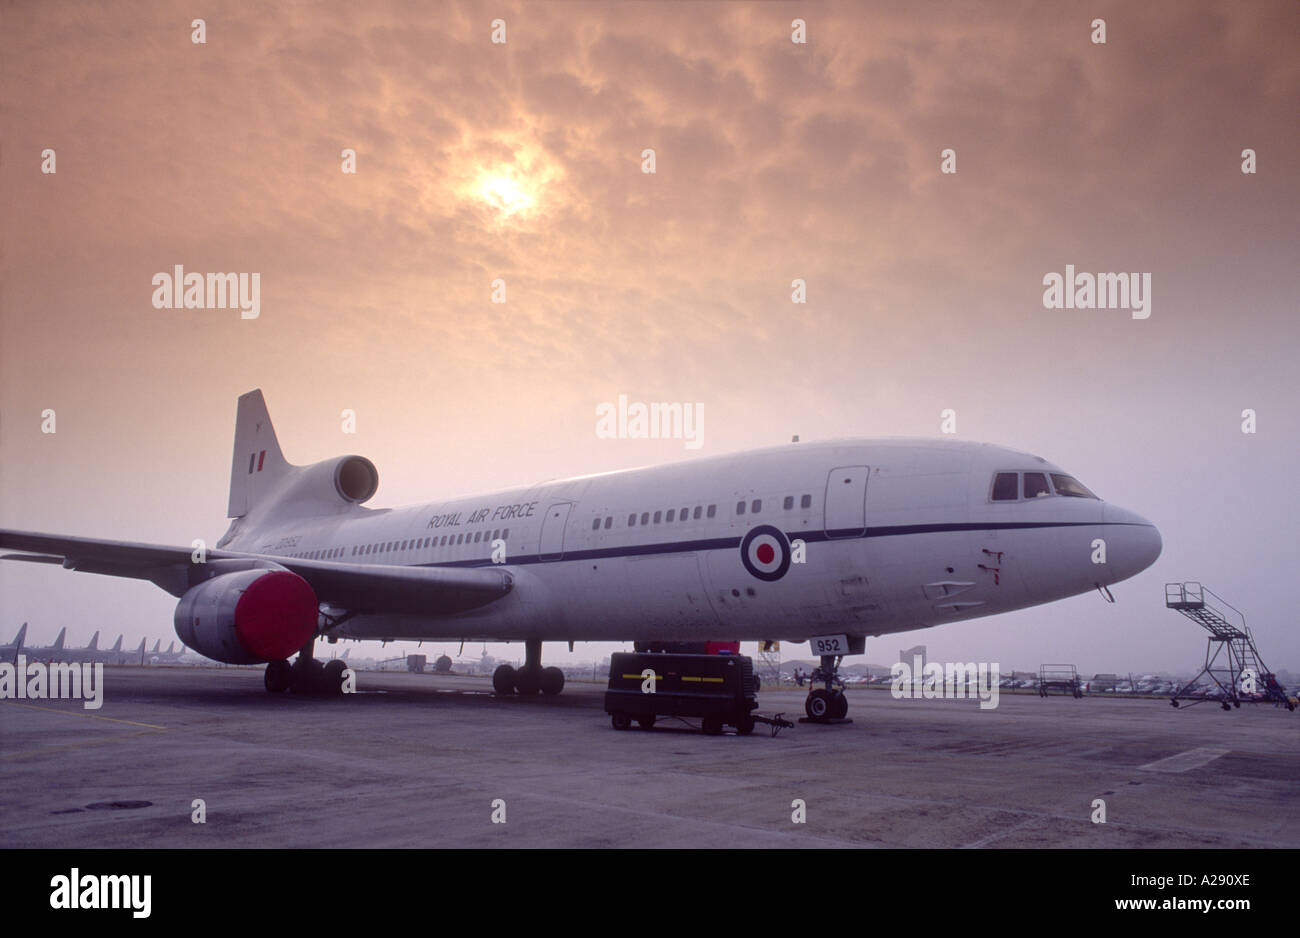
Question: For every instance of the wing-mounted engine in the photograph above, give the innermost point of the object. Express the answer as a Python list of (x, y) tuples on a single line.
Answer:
[(248, 616)]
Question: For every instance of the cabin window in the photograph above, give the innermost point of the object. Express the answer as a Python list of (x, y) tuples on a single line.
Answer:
[(658, 515), (1005, 487), (595, 524), (696, 516), (788, 503), (645, 517), (609, 521), (756, 506), (672, 514), (713, 510), (631, 520), (805, 502), (1036, 485), (505, 533), (740, 508)]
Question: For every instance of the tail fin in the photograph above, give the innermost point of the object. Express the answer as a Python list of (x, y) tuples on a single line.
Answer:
[(257, 463), (18, 639), (58, 642), (170, 646), (117, 646), (94, 643)]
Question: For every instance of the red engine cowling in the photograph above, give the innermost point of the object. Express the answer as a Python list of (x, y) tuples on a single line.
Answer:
[(249, 616)]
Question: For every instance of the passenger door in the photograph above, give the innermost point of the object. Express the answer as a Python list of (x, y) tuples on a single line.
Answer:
[(846, 501), (551, 546)]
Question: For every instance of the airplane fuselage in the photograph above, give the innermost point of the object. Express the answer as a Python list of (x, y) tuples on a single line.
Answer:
[(896, 535)]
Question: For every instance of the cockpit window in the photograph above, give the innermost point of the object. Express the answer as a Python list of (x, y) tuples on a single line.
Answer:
[(1036, 485), (1070, 486), (1006, 487)]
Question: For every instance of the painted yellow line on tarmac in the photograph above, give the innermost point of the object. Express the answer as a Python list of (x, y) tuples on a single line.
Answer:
[(83, 713)]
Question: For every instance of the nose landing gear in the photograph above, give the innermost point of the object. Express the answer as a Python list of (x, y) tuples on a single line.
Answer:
[(827, 704)]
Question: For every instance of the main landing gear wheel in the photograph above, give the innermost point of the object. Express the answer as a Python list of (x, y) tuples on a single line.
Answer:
[(552, 681), (531, 678), (333, 677), (746, 725), (503, 680), (527, 682), (308, 677), (279, 674)]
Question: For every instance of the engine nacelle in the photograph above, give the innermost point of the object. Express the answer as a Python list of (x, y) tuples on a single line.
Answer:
[(249, 616), (355, 478)]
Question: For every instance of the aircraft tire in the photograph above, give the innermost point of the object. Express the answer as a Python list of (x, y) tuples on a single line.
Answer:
[(552, 681), (527, 682), (818, 704), (279, 675), (332, 679), (311, 681), (620, 721), (746, 725), (839, 705), (503, 680)]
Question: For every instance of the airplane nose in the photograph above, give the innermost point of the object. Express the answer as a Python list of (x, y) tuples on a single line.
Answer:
[(1137, 538)]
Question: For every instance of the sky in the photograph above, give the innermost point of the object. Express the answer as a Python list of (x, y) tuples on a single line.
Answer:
[(523, 162)]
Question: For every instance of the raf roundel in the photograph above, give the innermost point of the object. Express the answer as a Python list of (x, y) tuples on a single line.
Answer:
[(765, 552)]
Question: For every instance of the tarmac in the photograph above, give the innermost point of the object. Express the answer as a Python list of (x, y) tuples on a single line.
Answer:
[(420, 760)]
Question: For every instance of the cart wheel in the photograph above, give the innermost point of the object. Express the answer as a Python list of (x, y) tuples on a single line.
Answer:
[(1174, 704), (712, 726), (620, 721), (745, 726), (646, 722)]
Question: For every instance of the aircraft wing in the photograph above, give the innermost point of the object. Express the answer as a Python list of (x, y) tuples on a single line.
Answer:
[(371, 588)]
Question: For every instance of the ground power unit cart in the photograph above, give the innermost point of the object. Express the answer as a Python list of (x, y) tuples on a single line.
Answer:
[(720, 690)]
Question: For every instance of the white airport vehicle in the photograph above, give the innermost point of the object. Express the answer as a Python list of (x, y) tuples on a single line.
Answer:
[(824, 542)]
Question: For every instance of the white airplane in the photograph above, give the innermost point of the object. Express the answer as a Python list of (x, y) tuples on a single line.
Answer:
[(170, 656), (46, 652), (829, 542)]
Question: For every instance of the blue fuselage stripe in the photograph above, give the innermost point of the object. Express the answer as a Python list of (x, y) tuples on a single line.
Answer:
[(729, 543)]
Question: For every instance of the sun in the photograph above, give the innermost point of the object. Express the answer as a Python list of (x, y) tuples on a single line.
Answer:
[(508, 195)]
